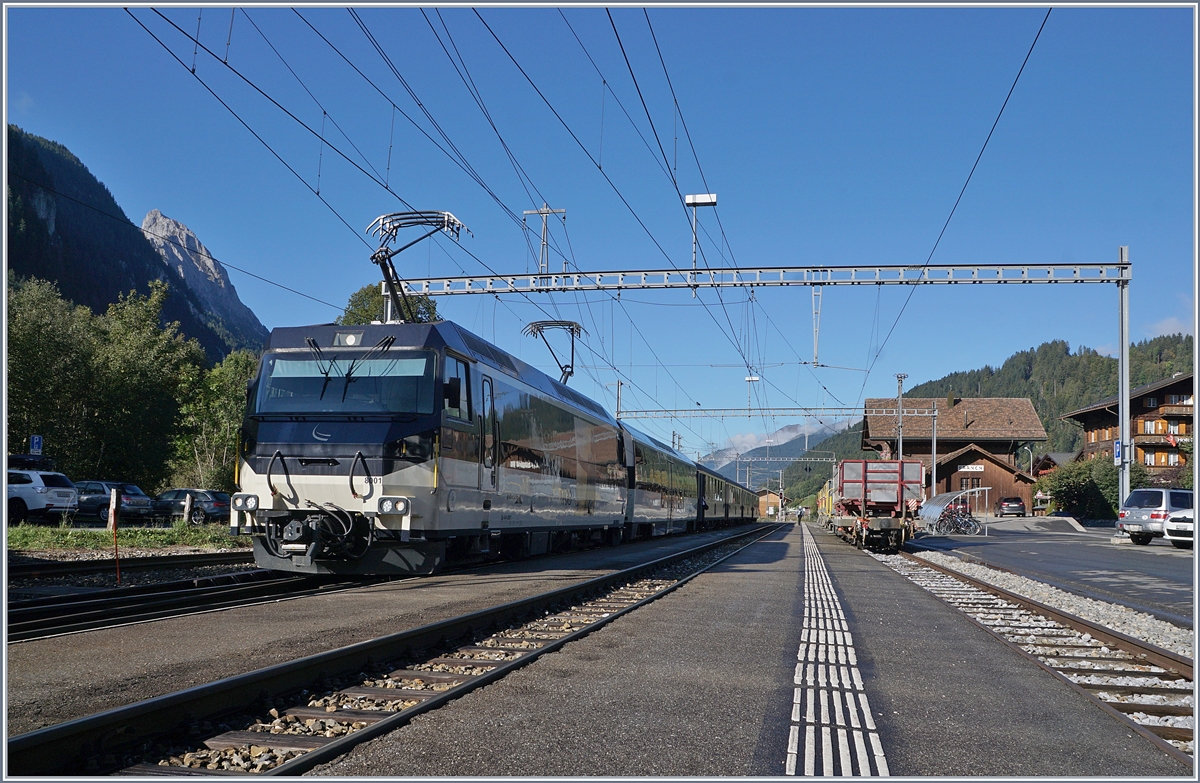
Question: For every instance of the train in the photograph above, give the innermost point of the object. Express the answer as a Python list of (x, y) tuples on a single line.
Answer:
[(872, 503), (395, 448)]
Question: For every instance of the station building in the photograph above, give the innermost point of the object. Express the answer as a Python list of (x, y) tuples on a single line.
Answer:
[(978, 440)]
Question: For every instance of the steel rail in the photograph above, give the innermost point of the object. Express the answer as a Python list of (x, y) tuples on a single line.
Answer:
[(54, 616), (68, 567), (754, 277), (1142, 651), (61, 749), (1150, 653)]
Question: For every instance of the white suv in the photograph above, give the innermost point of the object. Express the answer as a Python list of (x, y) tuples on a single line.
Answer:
[(37, 493)]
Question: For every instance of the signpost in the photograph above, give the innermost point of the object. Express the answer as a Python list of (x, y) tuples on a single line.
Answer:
[(35, 445), (1117, 452)]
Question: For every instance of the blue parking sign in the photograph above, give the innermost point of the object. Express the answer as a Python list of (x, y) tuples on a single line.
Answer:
[(35, 444), (1117, 452)]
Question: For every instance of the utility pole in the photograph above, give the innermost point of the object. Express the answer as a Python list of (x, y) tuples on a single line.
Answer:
[(900, 415), (1121, 453), (693, 201), (544, 258)]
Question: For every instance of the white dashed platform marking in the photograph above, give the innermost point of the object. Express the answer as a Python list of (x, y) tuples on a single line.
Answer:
[(832, 732)]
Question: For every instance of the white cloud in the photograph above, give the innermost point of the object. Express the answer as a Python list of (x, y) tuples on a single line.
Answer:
[(1170, 325)]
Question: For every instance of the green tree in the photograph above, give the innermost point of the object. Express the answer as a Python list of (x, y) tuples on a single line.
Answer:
[(210, 417), (103, 391), (366, 305), (52, 345)]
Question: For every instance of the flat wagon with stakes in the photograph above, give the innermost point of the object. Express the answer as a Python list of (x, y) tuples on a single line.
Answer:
[(872, 503)]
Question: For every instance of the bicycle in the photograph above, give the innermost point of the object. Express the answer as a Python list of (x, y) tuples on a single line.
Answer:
[(956, 523)]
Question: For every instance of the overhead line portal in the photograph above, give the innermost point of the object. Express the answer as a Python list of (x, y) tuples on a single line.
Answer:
[(753, 277)]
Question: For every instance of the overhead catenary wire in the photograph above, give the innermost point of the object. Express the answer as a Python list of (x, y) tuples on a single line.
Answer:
[(954, 208)]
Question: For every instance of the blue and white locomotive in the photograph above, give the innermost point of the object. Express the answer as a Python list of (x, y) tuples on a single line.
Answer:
[(395, 447)]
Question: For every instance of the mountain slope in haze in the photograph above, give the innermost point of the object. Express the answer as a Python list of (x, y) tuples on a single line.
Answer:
[(66, 227)]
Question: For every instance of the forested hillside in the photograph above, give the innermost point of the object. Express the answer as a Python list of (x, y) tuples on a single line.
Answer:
[(1059, 381), (65, 227), (1055, 379)]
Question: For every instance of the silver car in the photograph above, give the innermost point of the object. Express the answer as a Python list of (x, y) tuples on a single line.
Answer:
[(1144, 513)]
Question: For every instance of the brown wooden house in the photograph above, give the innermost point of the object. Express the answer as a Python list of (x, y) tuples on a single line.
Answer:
[(977, 442), (1160, 418)]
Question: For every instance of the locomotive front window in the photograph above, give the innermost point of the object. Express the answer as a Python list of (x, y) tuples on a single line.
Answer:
[(347, 382)]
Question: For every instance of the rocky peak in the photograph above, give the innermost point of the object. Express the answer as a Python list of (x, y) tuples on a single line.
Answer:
[(190, 262)]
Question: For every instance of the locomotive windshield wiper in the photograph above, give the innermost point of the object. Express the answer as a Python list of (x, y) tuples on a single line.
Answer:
[(320, 357), (380, 347)]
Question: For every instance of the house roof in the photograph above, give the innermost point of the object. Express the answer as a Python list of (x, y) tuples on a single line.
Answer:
[(944, 459), (971, 419), (1109, 402), (1059, 457)]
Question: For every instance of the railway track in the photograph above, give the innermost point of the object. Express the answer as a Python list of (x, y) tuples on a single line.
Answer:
[(39, 618), (288, 718), (60, 568), (1147, 687)]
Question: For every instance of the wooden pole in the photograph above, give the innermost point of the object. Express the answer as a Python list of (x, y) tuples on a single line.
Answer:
[(114, 506)]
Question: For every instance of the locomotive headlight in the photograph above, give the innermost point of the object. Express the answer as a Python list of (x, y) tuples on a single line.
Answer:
[(393, 506), (244, 502)]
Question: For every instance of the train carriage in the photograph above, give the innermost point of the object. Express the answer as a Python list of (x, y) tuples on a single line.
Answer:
[(390, 448)]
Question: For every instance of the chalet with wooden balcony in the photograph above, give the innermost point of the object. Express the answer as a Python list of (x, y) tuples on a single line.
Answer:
[(1161, 417)]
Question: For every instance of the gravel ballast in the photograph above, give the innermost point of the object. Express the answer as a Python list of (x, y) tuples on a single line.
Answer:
[(1119, 618)]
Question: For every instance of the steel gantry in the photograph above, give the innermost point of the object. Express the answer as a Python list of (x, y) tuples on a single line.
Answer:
[(1119, 273), (753, 277)]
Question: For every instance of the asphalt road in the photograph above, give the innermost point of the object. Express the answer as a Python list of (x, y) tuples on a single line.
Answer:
[(1157, 578), (702, 683)]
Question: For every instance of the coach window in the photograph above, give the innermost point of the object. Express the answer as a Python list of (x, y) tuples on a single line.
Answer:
[(457, 375)]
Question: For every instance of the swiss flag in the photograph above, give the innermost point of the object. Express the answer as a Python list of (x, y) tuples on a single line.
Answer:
[(1171, 439)]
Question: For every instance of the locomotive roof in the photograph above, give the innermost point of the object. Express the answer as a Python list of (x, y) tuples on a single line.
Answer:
[(439, 334)]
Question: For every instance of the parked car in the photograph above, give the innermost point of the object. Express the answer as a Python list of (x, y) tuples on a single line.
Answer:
[(1006, 506), (1179, 529), (39, 494), (959, 504), (94, 499), (1145, 511), (206, 504)]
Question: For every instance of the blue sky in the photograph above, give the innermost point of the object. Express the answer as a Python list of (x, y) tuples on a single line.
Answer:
[(831, 136)]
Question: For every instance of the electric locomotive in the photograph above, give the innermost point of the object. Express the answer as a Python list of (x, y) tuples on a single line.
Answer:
[(394, 447)]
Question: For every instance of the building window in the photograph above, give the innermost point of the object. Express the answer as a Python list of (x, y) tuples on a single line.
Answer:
[(1179, 399), (1172, 457), (1173, 427), (1149, 457), (1148, 426), (1091, 436), (1150, 402)]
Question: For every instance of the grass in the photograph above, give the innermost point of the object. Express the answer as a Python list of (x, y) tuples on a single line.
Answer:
[(215, 536)]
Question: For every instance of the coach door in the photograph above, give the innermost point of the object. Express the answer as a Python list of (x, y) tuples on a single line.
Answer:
[(491, 441)]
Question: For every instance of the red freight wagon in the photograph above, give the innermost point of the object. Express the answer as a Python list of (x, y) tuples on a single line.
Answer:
[(876, 500)]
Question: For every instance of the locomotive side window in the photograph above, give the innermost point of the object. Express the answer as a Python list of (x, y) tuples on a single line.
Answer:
[(457, 388)]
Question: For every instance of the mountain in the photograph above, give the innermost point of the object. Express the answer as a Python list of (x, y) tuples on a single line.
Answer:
[(196, 269), (785, 442), (65, 226)]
